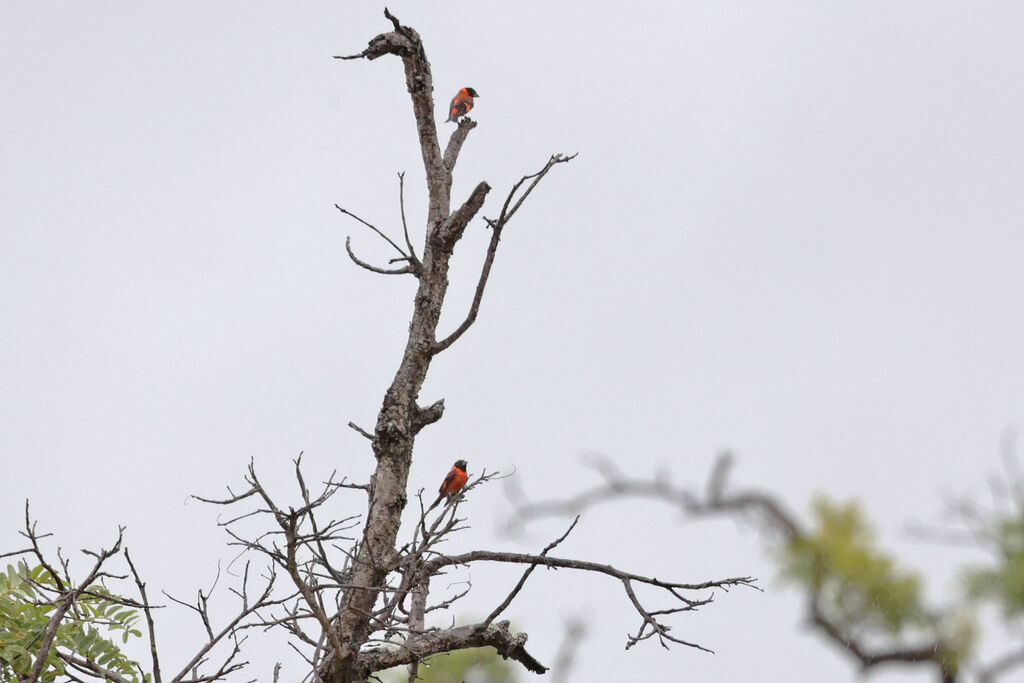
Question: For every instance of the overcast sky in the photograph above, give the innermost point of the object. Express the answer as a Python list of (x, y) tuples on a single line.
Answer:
[(793, 231)]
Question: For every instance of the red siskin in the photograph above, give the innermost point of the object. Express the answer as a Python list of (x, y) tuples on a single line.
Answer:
[(461, 103), (452, 484)]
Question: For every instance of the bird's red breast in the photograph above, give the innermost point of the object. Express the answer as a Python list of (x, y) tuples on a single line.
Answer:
[(455, 480)]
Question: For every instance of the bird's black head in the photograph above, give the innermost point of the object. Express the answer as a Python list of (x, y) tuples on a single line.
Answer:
[(461, 464), (472, 93)]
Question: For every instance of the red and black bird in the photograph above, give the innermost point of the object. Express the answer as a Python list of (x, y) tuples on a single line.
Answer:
[(452, 484), (461, 103)]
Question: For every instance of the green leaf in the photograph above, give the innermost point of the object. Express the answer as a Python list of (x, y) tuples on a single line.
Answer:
[(858, 583)]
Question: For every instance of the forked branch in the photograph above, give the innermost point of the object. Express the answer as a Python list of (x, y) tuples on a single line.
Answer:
[(508, 209), (68, 597), (650, 626), (414, 266)]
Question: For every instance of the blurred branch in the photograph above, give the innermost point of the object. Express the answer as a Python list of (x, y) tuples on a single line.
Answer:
[(565, 659), (762, 509), (1003, 665)]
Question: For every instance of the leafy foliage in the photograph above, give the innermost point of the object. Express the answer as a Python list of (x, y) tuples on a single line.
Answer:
[(858, 583), (85, 639), (1003, 581), (863, 589)]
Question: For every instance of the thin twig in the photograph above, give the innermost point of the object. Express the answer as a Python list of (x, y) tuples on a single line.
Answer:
[(374, 228), (66, 602), (496, 227), (149, 618), (363, 264), (405, 227), (362, 431), (33, 537), (529, 570)]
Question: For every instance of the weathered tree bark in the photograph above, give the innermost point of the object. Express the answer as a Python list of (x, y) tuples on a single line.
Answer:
[(400, 417)]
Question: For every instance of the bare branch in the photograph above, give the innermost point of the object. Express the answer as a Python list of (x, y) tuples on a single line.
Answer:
[(374, 269), (451, 152), (374, 228), (429, 415), (399, 43), (33, 537), (414, 266), (226, 501), (413, 259), (498, 636), (450, 230), (67, 600), (230, 629), (362, 431), (564, 563), (575, 632), (496, 227), (506, 211), (404, 42), (529, 570), (627, 578), (149, 619)]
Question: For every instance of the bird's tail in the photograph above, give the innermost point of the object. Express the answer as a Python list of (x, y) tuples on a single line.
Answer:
[(436, 502)]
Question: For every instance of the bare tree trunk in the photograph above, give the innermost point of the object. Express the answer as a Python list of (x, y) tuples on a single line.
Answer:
[(400, 417)]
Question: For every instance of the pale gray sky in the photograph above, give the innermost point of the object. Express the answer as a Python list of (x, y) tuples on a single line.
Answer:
[(793, 230)]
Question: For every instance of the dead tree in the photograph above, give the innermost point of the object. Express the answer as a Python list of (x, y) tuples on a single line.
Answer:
[(361, 600), (359, 590)]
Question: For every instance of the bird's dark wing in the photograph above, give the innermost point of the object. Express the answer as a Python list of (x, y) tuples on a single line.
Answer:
[(447, 481)]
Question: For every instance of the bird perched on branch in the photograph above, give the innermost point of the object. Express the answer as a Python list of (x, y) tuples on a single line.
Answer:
[(461, 103), (452, 484)]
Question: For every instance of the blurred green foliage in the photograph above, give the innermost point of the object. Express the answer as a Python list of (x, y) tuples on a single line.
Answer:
[(858, 582), (1002, 582), (88, 631), (863, 590)]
